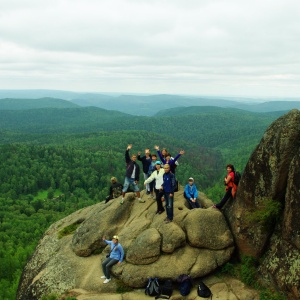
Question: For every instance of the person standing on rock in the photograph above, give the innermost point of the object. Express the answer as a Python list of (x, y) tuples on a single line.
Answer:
[(157, 176), (168, 187), (230, 187), (146, 162), (115, 256), (132, 175)]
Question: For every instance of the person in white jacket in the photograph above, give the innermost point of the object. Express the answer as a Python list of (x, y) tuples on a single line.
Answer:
[(157, 175)]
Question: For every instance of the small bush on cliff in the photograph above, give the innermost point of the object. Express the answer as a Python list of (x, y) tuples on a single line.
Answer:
[(270, 295), (68, 230), (267, 213), (248, 270)]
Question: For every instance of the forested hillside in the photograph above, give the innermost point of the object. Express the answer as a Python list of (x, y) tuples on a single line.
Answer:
[(57, 160)]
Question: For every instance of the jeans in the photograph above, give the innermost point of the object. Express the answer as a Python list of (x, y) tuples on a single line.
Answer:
[(169, 205), (129, 181), (107, 264), (146, 176)]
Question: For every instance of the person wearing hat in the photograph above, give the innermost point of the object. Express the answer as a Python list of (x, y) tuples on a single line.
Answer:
[(115, 189), (191, 193), (157, 175), (115, 256)]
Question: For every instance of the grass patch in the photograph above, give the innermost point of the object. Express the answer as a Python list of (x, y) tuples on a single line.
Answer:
[(270, 295), (44, 194), (266, 213), (68, 230)]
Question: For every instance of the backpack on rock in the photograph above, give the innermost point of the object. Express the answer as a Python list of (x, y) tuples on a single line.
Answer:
[(203, 290), (185, 284), (166, 290), (152, 289)]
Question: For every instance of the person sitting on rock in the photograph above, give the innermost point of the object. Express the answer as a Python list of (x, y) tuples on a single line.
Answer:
[(191, 194), (132, 175), (230, 187), (115, 256), (115, 189)]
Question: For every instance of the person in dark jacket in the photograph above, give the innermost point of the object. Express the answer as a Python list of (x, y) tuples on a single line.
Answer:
[(146, 162), (168, 186), (115, 189), (132, 175)]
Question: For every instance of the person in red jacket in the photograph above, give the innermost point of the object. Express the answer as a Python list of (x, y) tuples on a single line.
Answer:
[(230, 187)]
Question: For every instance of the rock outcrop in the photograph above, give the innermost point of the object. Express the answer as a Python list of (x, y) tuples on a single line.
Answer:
[(263, 220), (265, 217), (196, 242)]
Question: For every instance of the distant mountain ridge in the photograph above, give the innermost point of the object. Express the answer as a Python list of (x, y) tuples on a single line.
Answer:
[(148, 105), (22, 104)]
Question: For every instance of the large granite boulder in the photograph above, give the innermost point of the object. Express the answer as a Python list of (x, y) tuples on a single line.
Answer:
[(197, 242), (265, 218)]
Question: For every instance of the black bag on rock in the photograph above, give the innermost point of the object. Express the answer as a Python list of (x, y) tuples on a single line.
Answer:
[(166, 290), (203, 290)]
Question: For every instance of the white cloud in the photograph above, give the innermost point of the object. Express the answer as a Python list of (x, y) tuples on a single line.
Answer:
[(197, 47)]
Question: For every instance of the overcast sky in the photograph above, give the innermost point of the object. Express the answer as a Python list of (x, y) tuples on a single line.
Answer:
[(199, 47)]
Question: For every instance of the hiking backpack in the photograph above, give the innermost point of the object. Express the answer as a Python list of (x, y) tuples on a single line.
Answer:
[(152, 288), (185, 284), (203, 290), (166, 290), (237, 177)]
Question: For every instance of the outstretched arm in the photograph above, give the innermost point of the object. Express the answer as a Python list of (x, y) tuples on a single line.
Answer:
[(127, 157)]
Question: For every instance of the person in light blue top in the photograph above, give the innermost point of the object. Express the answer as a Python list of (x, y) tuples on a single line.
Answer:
[(115, 256), (191, 194)]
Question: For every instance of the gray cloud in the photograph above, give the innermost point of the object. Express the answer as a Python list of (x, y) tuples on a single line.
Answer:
[(197, 47)]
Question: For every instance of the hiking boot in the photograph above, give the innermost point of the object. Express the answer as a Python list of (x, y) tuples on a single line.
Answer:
[(103, 277), (142, 201), (107, 280), (167, 220), (147, 193)]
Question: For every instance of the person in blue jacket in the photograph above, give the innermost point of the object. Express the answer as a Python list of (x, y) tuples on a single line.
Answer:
[(168, 187), (115, 256), (191, 194)]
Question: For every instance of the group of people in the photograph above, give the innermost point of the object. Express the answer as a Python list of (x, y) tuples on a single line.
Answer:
[(159, 177)]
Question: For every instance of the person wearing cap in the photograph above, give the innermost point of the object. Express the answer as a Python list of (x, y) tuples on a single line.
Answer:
[(152, 168), (115, 189), (115, 256), (157, 175), (191, 193)]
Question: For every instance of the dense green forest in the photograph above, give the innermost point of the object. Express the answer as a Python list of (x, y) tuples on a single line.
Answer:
[(56, 161)]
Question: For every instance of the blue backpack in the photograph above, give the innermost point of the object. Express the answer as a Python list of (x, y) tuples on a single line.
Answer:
[(185, 284)]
